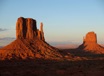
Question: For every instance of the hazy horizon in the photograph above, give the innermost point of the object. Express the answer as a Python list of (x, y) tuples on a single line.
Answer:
[(61, 45)]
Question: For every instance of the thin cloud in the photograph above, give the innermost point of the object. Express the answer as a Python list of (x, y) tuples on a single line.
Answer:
[(1, 29), (7, 38)]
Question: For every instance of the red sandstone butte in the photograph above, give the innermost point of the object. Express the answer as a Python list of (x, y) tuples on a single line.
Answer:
[(29, 44), (90, 44)]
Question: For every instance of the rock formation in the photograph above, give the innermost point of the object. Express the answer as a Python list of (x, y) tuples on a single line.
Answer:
[(90, 44), (90, 38), (29, 43), (26, 29), (41, 33), (41, 30)]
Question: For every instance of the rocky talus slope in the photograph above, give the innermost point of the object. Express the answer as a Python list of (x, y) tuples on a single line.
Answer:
[(29, 44)]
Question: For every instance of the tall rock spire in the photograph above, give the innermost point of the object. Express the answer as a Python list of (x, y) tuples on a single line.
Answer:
[(41, 27), (41, 30)]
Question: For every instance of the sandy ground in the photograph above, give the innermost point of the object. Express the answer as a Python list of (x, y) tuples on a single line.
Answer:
[(92, 66)]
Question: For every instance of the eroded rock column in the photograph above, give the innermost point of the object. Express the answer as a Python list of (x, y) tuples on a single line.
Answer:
[(90, 38), (20, 28), (31, 27), (26, 29)]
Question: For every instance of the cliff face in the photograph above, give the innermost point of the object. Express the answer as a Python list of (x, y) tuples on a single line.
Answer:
[(29, 44), (90, 44), (90, 38), (26, 29)]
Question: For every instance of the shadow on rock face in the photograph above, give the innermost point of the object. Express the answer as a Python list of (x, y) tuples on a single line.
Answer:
[(29, 44), (90, 44)]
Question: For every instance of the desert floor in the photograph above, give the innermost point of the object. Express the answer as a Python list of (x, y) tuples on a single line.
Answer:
[(91, 66)]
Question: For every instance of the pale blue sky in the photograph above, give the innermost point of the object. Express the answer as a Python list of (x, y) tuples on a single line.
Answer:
[(64, 20)]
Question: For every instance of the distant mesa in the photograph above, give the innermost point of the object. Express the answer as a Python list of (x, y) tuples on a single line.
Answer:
[(29, 44), (90, 44), (90, 38)]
